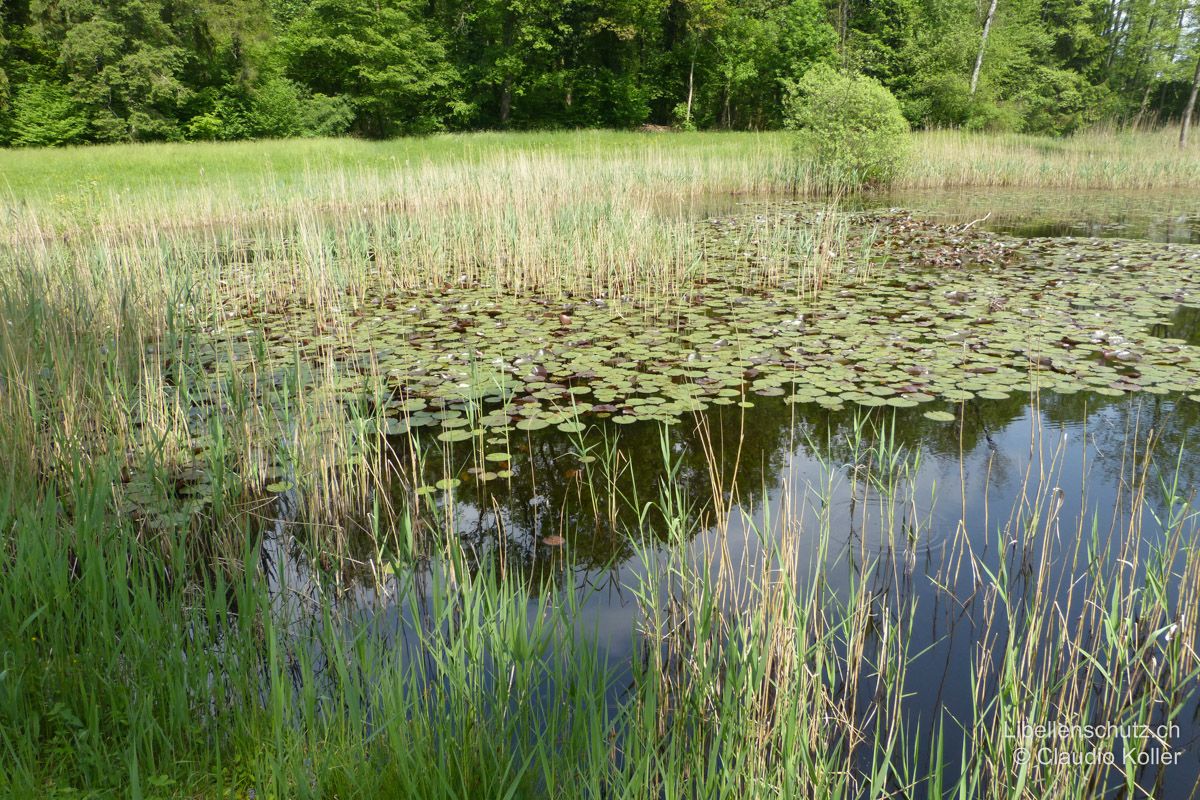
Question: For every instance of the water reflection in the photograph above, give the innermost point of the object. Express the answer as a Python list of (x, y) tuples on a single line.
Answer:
[(1157, 216), (913, 506), (591, 489), (934, 490), (1184, 324)]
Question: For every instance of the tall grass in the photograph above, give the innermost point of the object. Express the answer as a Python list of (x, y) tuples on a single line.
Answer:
[(782, 671), (149, 657), (109, 256), (1102, 159), (240, 179), (112, 294)]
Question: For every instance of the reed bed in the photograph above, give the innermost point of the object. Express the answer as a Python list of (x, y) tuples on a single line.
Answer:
[(1102, 159), (150, 659), (109, 292), (782, 671), (218, 184)]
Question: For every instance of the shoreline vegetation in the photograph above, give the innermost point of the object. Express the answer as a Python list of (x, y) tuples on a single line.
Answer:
[(161, 655), (727, 162), (108, 274)]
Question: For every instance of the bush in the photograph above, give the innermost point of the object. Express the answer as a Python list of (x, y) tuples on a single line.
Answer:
[(941, 100), (988, 116), (221, 117), (205, 127), (1060, 101), (850, 126), (44, 114), (275, 108), (682, 120)]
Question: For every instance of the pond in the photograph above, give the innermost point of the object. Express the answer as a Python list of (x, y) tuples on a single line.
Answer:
[(984, 395), (1151, 215), (902, 534)]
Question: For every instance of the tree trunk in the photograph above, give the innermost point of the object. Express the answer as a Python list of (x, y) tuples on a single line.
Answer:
[(1178, 33), (1117, 40), (1147, 54), (507, 35), (1110, 19), (843, 28), (987, 28), (505, 100), (691, 87), (568, 91), (1190, 107), (1145, 105)]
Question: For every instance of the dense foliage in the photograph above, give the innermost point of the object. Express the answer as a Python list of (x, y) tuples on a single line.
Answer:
[(852, 124), (136, 70)]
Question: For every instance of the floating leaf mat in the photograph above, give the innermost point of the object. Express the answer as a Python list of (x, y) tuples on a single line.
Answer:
[(923, 311)]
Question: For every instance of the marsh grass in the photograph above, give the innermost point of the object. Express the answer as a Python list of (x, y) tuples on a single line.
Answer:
[(108, 273), (111, 300), (1102, 159), (775, 669), (146, 656)]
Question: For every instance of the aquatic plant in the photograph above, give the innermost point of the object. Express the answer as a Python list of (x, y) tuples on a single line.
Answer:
[(782, 667), (309, 478)]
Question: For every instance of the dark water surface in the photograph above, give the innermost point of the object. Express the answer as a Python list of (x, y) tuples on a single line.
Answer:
[(1159, 215), (903, 526)]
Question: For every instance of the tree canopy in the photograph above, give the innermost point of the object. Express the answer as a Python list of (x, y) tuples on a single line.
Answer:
[(74, 71)]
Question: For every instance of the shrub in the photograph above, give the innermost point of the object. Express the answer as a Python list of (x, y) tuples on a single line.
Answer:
[(205, 127), (941, 100), (683, 121), (44, 114), (275, 108), (222, 116), (849, 126), (1060, 101), (989, 116)]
